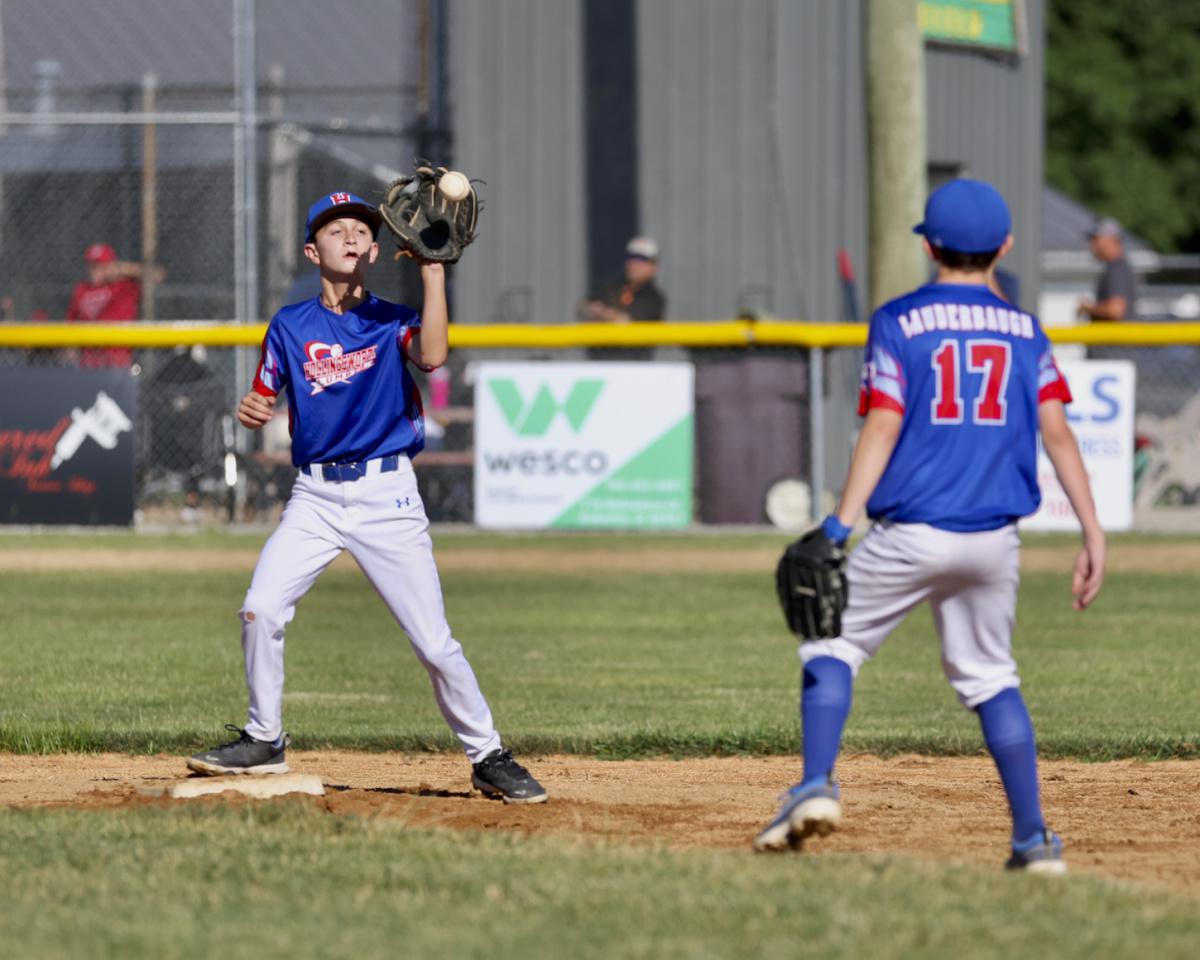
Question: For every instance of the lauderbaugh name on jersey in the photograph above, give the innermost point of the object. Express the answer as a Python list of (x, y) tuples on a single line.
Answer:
[(966, 317)]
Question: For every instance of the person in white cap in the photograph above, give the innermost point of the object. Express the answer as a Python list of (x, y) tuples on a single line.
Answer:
[(1117, 285), (635, 295)]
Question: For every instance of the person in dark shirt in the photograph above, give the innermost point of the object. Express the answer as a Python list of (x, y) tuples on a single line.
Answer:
[(634, 296), (1117, 285)]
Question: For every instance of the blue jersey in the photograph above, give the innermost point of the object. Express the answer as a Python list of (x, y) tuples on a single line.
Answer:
[(350, 394), (967, 372)]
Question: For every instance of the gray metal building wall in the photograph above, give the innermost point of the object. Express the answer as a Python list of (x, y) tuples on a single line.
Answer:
[(986, 114), (753, 166), (752, 158), (752, 152), (517, 119), (751, 143)]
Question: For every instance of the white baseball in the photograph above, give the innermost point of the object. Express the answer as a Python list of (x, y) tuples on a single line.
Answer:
[(454, 185)]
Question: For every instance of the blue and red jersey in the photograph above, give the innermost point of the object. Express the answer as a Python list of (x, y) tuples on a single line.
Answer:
[(967, 372), (350, 393)]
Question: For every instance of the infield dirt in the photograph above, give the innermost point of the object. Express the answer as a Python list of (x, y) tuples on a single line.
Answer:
[(1058, 557), (1128, 821)]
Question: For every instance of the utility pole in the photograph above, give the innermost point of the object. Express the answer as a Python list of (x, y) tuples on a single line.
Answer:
[(896, 117)]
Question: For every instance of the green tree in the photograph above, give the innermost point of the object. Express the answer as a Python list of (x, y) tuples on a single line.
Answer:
[(1122, 112)]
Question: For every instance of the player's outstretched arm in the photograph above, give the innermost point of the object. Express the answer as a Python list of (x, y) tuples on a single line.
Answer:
[(431, 346), (255, 411), (1063, 451), (876, 441)]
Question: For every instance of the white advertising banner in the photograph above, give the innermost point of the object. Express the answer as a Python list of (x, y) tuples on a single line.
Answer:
[(1102, 417), (583, 445)]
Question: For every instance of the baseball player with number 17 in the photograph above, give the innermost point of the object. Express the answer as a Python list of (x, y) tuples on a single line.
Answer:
[(356, 423), (955, 388)]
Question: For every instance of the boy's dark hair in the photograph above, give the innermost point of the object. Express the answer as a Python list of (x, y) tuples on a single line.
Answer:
[(957, 260)]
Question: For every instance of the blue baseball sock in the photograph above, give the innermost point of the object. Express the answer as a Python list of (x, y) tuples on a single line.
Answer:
[(1008, 733), (824, 707)]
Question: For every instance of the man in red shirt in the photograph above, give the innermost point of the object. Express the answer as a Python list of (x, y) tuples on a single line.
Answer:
[(112, 292)]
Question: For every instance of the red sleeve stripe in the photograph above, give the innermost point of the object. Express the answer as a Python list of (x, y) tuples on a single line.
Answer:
[(876, 400), (1055, 390), (258, 386)]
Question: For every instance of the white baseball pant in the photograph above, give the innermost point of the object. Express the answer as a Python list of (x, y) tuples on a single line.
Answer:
[(380, 519), (970, 581)]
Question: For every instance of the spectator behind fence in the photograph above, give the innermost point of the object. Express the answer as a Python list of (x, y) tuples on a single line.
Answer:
[(111, 293), (633, 296), (1117, 284)]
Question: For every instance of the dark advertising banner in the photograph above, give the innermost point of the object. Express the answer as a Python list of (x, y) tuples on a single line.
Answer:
[(66, 446)]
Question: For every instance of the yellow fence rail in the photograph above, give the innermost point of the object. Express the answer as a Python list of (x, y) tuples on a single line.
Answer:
[(732, 333), (816, 338)]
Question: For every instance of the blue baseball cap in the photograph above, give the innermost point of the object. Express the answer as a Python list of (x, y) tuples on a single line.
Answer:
[(968, 216), (340, 204)]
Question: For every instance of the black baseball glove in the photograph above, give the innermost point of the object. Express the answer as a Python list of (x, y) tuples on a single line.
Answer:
[(425, 223), (811, 582)]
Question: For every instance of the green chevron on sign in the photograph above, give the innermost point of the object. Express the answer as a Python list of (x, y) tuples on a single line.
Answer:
[(533, 419)]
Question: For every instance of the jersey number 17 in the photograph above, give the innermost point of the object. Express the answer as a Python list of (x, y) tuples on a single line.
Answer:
[(992, 359)]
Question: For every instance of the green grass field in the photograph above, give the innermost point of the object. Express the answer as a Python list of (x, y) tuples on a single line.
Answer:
[(576, 660), (596, 661), (282, 881)]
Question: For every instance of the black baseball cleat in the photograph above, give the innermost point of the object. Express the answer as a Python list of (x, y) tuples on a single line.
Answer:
[(499, 775), (243, 755)]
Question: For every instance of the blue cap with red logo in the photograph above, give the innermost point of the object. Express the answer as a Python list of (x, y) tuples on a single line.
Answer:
[(968, 216), (340, 204)]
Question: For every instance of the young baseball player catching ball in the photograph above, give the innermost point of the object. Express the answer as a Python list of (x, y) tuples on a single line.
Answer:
[(356, 423), (955, 388)]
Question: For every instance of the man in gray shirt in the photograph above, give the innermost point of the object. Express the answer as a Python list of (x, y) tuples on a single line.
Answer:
[(1117, 285)]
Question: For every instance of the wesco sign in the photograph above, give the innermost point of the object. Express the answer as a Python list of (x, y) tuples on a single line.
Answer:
[(583, 445)]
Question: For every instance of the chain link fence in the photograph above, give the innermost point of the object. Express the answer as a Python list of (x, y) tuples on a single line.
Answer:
[(156, 162), (172, 232), (751, 430), (1166, 433), (130, 151), (194, 465)]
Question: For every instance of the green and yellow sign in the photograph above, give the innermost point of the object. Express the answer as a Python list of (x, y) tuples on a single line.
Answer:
[(978, 23), (584, 445)]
